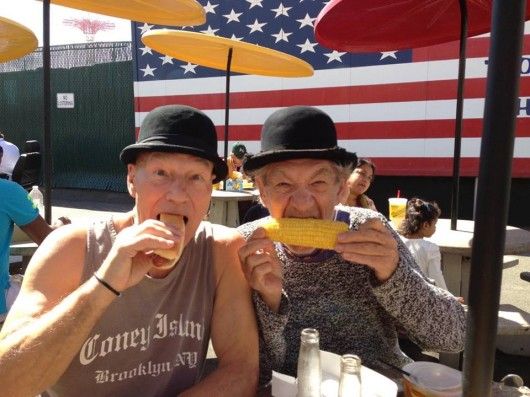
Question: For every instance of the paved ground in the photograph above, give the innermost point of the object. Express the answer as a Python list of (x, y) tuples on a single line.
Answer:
[(82, 205)]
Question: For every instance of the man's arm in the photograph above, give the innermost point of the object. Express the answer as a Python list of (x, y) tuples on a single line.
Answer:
[(37, 230), (43, 331), (432, 317), (234, 332)]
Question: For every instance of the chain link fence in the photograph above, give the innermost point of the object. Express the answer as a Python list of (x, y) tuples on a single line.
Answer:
[(88, 137)]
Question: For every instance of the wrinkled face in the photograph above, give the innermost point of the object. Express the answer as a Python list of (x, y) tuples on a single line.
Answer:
[(360, 179), (172, 183), (304, 188)]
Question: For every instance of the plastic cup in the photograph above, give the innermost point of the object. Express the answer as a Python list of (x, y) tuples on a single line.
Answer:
[(431, 380), (397, 208)]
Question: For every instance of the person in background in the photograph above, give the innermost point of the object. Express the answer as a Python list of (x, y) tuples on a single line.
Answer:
[(102, 312), (357, 294), (10, 158), (359, 182), (16, 209), (235, 160), (420, 223)]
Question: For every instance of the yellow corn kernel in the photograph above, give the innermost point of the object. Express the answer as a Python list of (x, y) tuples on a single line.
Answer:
[(305, 232)]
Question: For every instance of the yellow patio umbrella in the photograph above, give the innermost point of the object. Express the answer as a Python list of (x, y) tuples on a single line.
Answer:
[(226, 54), (16, 40), (160, 12)]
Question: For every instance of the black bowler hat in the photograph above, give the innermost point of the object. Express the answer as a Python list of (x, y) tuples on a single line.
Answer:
[(178, 129), (298, 132)]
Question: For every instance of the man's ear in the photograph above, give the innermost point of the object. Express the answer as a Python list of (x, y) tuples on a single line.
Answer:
[(131, 175), (344, 191), (258, 181)]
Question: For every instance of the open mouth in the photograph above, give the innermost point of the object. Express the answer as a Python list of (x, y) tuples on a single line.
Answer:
[(184, 217)]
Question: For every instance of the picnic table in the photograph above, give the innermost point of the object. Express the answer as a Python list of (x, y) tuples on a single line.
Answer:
[(224, 208), (455, 247)]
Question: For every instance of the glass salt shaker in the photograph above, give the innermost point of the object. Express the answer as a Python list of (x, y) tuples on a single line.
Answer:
[(309, 371), (350, 376)]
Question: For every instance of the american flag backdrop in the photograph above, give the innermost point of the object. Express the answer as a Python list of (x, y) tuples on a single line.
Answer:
[(397, 107)]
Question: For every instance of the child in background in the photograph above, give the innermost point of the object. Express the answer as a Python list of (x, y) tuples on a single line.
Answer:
[(420, 222)]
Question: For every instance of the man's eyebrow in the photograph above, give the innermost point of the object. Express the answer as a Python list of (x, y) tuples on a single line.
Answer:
[(320, 171)]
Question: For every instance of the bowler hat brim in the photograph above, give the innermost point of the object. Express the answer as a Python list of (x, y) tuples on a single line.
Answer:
[(129, 153), (336, 154)]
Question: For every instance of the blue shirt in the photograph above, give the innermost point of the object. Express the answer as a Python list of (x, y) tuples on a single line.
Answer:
[(15, 207)]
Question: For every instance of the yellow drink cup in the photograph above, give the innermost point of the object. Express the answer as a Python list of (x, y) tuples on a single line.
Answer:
[(397, 209)]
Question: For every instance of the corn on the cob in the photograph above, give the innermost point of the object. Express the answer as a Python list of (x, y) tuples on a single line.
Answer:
[(306, 232)]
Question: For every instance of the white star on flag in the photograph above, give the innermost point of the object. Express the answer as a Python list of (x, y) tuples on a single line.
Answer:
[(210, 8), (145, 28), (233, 16), (210, 31), (146, 50), (307, 46), (148, 71), (281, 10), (189, 67), (234, 37), (166, 59), (256, 26), (306, 21), (388, 54), (334, 56), (254, 3), (281, 36)]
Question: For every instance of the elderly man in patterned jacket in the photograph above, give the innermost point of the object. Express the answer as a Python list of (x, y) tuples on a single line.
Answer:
[(358, 294)]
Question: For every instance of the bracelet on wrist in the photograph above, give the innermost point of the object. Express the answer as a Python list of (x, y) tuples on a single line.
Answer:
[(107, 285)]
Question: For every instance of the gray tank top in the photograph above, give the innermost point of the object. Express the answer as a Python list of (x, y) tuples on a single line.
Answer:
[(153, 339)]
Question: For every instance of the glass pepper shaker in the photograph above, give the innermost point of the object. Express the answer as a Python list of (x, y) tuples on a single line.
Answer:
[(309, 374), (350, 376)]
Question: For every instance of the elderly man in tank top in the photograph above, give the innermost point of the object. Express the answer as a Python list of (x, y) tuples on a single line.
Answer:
[(106, 311), (357, 294)]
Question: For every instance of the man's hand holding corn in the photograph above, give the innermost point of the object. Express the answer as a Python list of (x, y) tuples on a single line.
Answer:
[(262, 268), (371, 245)]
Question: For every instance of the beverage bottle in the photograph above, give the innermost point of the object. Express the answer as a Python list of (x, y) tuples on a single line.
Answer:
[(350, 376), (37, 198), (309, 374), (229, 184)]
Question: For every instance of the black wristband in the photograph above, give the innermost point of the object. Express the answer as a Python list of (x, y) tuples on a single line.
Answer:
[(107, 285)]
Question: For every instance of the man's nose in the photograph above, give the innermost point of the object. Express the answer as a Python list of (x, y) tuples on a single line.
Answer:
[(177, 191), (302, 199)]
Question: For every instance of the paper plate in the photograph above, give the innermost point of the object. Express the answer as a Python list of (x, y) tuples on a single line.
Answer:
[(212, 51), (388, 25), (16, 40), (373, 383), (160, 12)]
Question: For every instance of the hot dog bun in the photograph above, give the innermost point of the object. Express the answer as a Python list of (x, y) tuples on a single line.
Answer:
[(173, 254)]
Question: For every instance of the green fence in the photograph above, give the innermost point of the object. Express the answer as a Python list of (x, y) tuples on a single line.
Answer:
[(86, 139)]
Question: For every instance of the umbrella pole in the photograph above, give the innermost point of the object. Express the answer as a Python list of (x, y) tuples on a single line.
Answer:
[(493, 193), (46, 66), (227, 104), (459, 110)]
